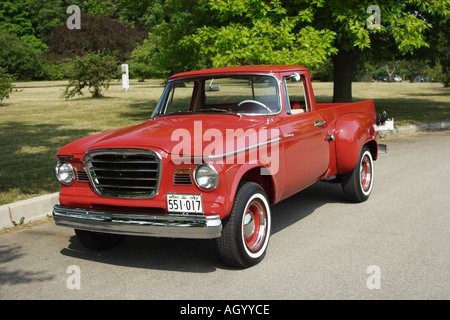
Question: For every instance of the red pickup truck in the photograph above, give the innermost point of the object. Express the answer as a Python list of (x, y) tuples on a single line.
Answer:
[(222, 146)]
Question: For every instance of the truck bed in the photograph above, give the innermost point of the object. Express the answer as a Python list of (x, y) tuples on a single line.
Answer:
[(332, 111)]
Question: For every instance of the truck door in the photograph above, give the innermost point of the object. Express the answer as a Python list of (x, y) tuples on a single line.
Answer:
[(304, 134)]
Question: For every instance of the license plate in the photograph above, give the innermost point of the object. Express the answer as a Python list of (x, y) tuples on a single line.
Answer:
[(184, 203)]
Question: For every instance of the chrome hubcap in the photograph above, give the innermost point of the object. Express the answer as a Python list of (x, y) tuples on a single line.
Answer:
[(254, 225), (249, 225), (365, 175)]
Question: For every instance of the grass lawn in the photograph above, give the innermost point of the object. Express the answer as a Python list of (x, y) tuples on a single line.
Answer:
[(407, 103), (35, 122)]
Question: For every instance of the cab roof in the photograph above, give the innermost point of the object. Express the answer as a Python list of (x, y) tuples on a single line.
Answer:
[(241, 69)]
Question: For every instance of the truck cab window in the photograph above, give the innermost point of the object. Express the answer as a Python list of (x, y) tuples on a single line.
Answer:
[(296, 96), (180, 97)]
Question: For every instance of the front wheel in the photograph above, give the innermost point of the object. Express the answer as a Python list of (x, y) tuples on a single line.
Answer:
[(357, 184), (246, 232)]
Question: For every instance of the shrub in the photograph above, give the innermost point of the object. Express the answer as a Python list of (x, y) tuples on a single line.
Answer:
[(54, 70), (96, 33), (18, 57), (6, 86), (94, 71), (144, 63)]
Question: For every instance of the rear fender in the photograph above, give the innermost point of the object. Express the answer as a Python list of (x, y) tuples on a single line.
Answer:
[(353, 131)]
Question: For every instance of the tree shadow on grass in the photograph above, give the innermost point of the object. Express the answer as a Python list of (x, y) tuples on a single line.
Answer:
[(414, 110), (141, 111), (27, 157)]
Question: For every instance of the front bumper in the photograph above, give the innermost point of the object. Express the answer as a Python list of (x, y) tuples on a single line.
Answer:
[(150, 225)]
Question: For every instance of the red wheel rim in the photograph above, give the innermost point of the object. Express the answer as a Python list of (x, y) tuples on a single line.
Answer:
[(366, 173), (254, 225)]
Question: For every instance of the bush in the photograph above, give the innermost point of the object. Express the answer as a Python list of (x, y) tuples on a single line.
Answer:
[(54, 70), (93, 70), (97, 33), (144, 63), (6, 86), (18, 57)]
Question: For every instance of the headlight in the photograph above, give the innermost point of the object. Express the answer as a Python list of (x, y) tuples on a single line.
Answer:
[(206, 177), (64, 172)]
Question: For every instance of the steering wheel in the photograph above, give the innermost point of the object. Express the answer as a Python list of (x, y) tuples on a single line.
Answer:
[(259, 104)]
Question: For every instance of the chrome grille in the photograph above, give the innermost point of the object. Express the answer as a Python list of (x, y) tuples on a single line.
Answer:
[(81, 174), (124, 173)]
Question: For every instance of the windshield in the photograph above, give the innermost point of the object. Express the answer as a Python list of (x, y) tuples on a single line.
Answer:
[(241, 95)]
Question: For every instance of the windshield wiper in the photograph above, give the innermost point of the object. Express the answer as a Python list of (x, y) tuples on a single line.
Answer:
[(229, 111)]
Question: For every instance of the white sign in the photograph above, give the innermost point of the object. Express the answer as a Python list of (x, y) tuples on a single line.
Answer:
[(388, 125), (125, 77)]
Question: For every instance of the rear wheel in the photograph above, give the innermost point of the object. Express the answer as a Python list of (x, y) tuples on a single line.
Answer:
[(357, 184), (246, 232), (97, 240)]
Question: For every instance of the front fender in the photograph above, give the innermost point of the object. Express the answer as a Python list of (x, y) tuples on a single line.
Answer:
[(353, 131), (257, 173)]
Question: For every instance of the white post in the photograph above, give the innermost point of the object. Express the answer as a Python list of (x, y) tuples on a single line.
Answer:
[(125, 78)]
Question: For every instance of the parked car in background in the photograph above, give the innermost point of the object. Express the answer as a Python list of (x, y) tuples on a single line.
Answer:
[(383, 79), (420, 79), (396, 78)]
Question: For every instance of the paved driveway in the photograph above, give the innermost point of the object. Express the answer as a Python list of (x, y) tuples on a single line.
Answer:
[(394, 246)]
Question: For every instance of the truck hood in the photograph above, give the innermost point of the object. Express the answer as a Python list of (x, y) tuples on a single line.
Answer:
[(167, 133)]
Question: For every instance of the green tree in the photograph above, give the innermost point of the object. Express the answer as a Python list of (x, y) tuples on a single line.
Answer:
[(143, 62), (93, 71), (403, 29), (148, 13), (437, 54), (97, 33), (309, 31), (6, 86), (108, 8), (46, 15), (18, 57), (183, 18), (16, 17), (261, 32)]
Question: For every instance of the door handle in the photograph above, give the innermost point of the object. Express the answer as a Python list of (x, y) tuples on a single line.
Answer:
[(319, 123)]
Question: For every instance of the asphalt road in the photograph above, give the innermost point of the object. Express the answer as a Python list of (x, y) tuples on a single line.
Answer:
[(394, 246)]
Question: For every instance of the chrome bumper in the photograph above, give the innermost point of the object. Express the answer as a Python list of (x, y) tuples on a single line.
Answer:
[(151, 225)]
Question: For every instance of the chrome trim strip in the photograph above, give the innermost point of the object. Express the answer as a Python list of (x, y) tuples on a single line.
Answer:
[(64, 156), (233, 152), (149, 225)]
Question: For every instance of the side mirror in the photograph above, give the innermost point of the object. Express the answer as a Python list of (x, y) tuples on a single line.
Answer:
[(294, 77), (212, 88)]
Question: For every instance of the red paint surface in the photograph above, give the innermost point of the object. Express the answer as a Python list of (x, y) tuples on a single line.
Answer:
[(305, 153)]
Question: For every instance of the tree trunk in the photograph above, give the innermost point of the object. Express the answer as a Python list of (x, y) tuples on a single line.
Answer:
[(343, 68), (390, 74)]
